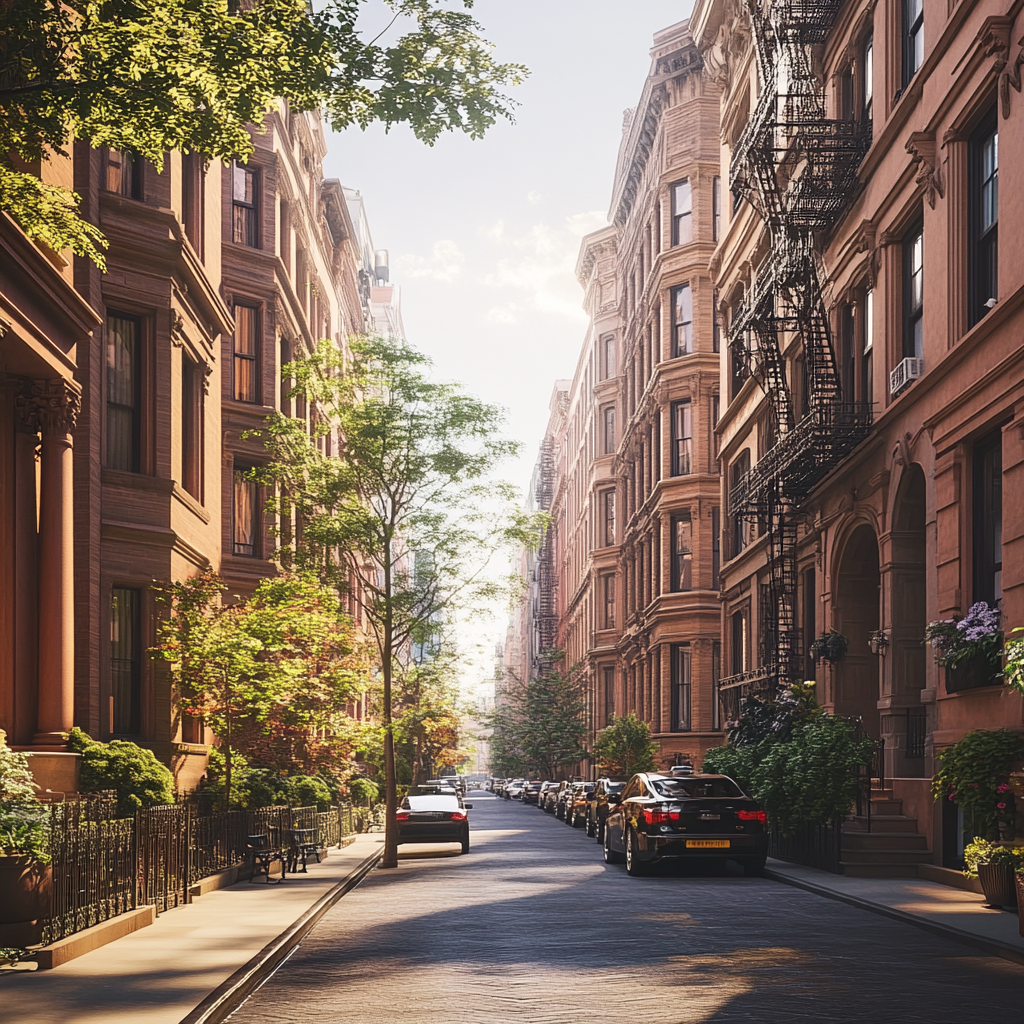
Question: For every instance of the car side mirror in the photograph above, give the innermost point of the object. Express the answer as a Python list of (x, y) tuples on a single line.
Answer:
[(468, 807)]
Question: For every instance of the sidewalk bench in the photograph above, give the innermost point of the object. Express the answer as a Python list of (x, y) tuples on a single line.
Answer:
[(264, 854), (304, 845)]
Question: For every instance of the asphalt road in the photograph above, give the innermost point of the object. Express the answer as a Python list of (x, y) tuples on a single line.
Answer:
[(532, 926)]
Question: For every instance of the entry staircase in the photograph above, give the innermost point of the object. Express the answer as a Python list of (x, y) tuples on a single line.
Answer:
[(885, 842)]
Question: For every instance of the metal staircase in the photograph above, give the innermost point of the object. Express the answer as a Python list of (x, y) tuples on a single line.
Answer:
[(797, 168)]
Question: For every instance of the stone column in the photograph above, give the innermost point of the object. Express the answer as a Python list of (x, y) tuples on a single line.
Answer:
[(57, 402)]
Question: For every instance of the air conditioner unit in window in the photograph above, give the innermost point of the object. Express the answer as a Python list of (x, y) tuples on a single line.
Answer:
[(903, 373)]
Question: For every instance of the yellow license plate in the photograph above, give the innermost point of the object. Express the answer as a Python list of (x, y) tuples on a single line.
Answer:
[(707, 844)]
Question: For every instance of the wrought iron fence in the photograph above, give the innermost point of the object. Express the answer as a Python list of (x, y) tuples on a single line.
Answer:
[(814, 846), (163, 843)]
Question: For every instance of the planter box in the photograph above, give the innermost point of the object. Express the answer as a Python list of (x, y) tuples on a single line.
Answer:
[(998, 884), (973, 674), (24, 900)]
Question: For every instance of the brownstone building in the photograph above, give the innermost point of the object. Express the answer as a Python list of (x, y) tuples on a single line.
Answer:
[(870, 436)]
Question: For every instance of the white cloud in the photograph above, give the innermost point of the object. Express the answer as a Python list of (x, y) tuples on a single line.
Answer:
[(505, 314), (445, 263), (535, 198)]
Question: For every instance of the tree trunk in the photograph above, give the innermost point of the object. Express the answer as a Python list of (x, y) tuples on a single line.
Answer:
[(227, 746), (390, 858)]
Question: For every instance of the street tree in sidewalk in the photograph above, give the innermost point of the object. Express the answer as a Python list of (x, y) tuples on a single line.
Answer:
[(190, 75), (625, 747), (270, 675), (406, 519)]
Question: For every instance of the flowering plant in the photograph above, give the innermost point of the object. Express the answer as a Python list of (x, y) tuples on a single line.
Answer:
[(831, 646), (1014, 652), (981, 851), (957, 639)]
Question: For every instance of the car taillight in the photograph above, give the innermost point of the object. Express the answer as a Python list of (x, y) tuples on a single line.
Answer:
[(402, 816), (753, 816), (458, 816), (652, 817)]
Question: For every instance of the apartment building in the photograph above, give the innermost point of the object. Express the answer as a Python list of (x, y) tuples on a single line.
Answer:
[(870, 434)]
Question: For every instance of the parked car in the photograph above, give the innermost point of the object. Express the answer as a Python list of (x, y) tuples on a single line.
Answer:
[(551, 796), (545, 788), (531, 791), (562, 799), (576, 804), (597, 805), (434, 818), (514, 790), (688, 817)]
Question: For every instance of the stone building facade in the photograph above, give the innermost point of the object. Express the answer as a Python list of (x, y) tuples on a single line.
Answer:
[(910, 515)]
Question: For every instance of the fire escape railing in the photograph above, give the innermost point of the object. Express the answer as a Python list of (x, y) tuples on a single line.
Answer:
[(797, 169)]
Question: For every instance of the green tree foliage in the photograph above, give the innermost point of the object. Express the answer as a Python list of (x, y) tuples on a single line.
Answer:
[(540, 725), (23, 819), (799, 763), (270, 676), (191, 74), (407, 517), (973, 774), (133, 772), (625, 747)]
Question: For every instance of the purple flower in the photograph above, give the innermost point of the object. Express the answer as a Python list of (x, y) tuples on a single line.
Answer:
[(980, 622)]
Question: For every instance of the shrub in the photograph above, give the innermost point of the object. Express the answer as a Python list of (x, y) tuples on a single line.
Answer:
[(307, 790), (363, 791), (981, 851), (23, 819), (134, 773)]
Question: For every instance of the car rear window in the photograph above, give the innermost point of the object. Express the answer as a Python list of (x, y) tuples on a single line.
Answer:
[(613, 787), (679, 788), (431, 803)]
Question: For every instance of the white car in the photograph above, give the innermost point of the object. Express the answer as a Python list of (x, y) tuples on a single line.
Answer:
[(514, 790)]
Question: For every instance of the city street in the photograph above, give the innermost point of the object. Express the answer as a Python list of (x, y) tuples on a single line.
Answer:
[(531, 925)]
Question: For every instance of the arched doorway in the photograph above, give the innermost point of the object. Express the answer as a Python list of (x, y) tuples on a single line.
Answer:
[(905, 675), (856, 688)]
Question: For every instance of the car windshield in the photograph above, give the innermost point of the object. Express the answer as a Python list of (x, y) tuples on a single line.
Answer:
[(431, 803), (613, 787), (696, 787)]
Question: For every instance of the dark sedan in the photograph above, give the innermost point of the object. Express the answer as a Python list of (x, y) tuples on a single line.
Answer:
[(530, 792), (597, 805), (434, 819), (697, 816), (576, 803)]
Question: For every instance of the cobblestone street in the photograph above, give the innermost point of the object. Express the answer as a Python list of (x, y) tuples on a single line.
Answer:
[(533, 926)]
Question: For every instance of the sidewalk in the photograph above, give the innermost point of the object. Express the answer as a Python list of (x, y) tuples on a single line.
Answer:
[(157, 975), (940, 909)]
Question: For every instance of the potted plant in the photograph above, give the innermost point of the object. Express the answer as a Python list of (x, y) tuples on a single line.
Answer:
[(831, 646), (995, 866), (24, 853), (968, 647)]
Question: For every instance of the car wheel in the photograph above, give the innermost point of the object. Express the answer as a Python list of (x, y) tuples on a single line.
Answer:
[(599, 831), (465, 841), (754, 867), (560, 812), (634, 865), (590, 826), (610, 856)]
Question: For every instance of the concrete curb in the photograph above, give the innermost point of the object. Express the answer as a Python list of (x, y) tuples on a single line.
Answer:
[(990, 946), (230, 994)]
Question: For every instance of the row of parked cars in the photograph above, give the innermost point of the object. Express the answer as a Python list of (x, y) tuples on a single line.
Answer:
[(654, 816)]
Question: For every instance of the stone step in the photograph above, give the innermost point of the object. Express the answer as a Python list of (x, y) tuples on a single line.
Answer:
[(886, 805), (884, 841), (880, 823), (879, 870), (885, 856)]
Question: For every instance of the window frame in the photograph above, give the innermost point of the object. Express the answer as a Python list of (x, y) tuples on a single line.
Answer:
[(248, 227), (129, 185), (608, 435), (256, 524), (135, 409), (193, 426), (987, 518), (607, 356), (682, 219), (130, 723), (681, 297), (739, 468), (913, 313), (608, 598), (912, 40), (253, 359), (983, 241), (681, 580), (682, 687), (608, 517), (682, 442)]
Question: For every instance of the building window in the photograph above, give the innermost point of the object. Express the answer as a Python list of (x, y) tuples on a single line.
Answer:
[(716, 547), (983, 218), (716, 676), (608, 680), (682, 552), (682, 438), (740, 642), (716, 208), (193, 199), (247, 350), (607, 356), (244, 204), (716, 327), (848, 350), (192, 427), (740, 468), (124, 174), (808, 628), (681, 688), (125, 662), (847, 94), (608, 601), (124, 392), (988, 519), (868, 334), (245, 515), (867, 87), (682, 213), (682, 317), (608, 517), (913, 293), (608, 430), (913, 38)]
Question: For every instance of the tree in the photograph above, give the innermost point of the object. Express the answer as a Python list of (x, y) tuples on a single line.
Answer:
[(281, 665), (406, 518), (625, 747), (190, 75), (540, 727)]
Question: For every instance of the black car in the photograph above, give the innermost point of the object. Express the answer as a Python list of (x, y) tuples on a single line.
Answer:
[(434, 819), (597, 805), (530, 792), (696, 816), (551, 795), (542, 793), (576, 804), (562, 796)]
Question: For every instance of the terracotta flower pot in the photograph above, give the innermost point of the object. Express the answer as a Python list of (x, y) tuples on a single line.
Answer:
[(24, 900), (997, 883)]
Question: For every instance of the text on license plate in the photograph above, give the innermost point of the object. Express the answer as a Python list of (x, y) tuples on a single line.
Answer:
[(707, 844)]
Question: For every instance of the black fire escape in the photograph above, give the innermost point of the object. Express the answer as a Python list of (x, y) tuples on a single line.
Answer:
[(797, 168), (545, 571)]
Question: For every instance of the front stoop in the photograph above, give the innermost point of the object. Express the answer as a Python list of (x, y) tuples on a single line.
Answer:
[(892, 849)]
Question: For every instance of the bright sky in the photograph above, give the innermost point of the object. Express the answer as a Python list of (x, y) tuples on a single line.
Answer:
[(484, 235)]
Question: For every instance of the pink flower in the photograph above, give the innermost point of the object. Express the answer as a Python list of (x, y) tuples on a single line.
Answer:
[(1001, 807), (952, 795), (1002, 788)]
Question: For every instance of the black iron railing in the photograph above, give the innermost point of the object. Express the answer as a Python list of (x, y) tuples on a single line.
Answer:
[(814, 846)]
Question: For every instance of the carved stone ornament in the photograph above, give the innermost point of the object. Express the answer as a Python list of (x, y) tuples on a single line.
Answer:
[(867, 241), (57, 404), (207, 374), (1010, 78), (922, 148), (178, 335)]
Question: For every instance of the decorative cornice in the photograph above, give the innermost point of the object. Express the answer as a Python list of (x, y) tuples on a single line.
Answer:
[(923, 151), (57, 404)]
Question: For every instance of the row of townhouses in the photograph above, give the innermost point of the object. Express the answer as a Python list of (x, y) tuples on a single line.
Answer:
[(799, 405), (125, 397)]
